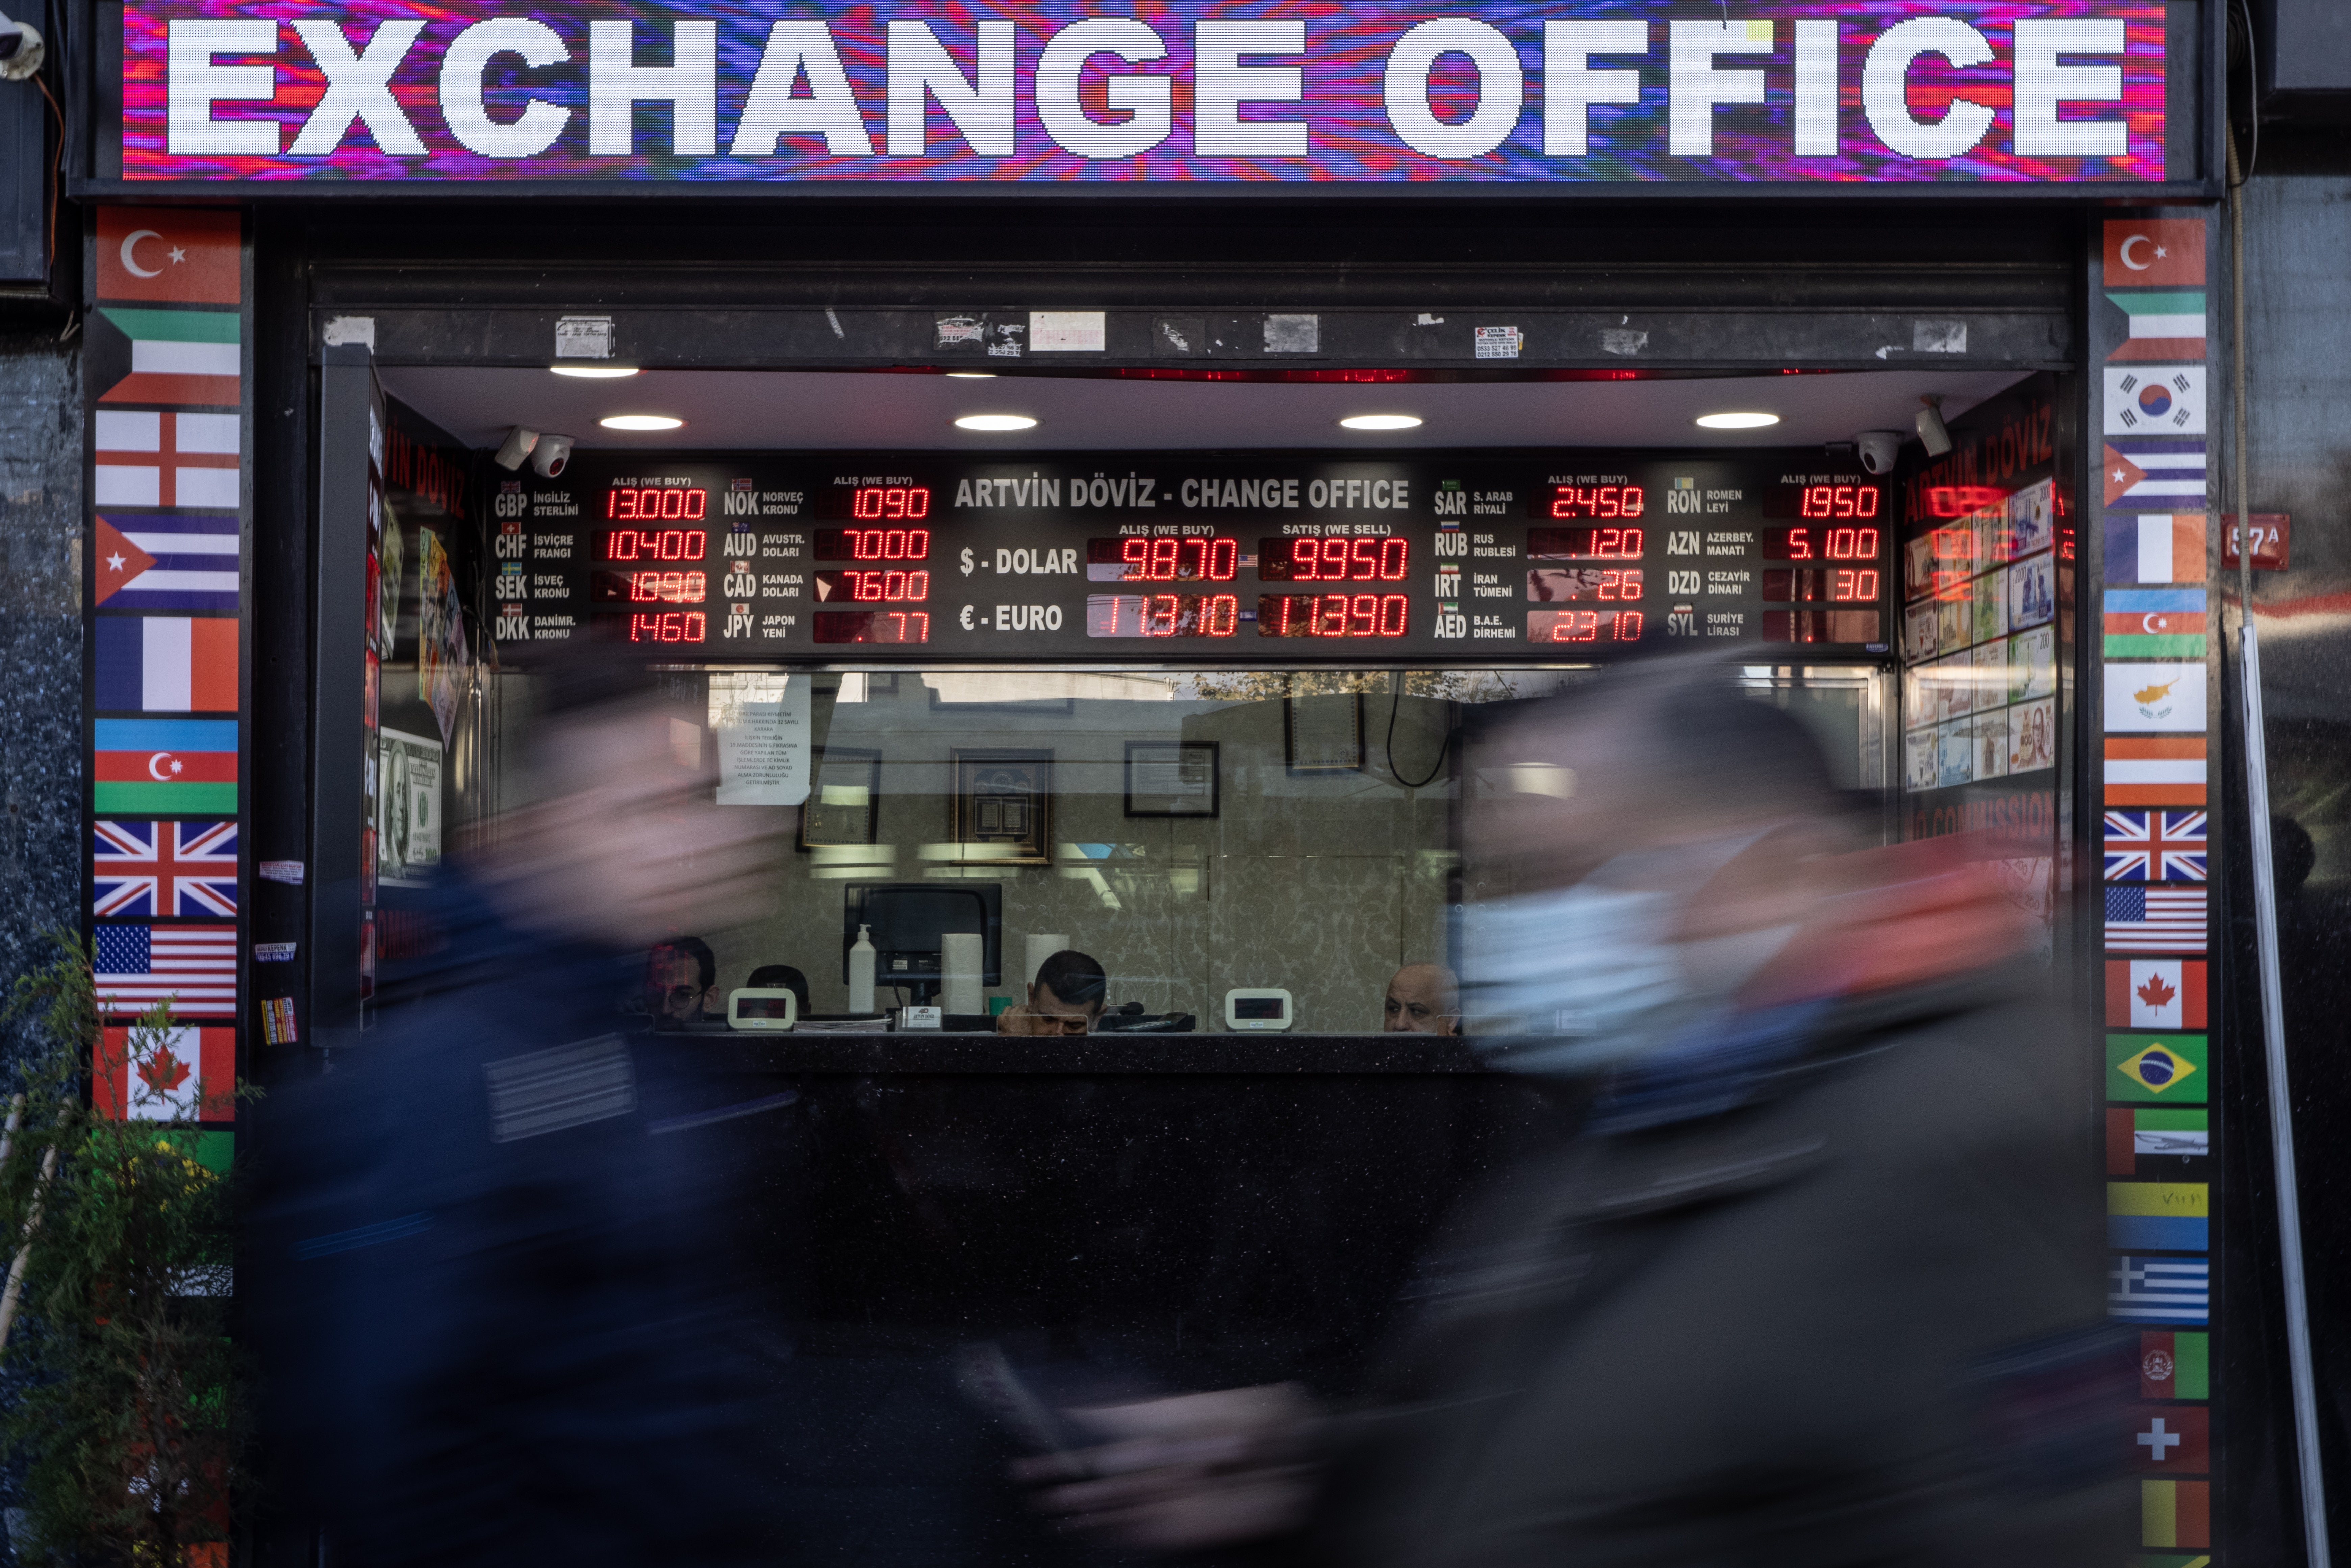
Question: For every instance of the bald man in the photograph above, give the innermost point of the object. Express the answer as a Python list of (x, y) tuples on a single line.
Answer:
[(1423, 999)]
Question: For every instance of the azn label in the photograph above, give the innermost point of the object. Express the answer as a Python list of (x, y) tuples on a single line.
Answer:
[(1994, 91)]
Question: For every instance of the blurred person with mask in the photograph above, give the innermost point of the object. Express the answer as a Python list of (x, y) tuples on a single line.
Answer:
[(492, 1291), (1818, 1283), (1422, 999)]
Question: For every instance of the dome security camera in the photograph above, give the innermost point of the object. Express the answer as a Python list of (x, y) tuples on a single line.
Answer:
[(515, 447), (1879, 449), (552, 456)]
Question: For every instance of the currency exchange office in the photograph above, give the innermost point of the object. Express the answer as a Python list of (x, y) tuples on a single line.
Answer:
[(1101, 471)]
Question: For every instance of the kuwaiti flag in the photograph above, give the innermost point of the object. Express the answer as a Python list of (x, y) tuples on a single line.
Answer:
[(165, 561), (150, 458), (2165, 324), (166, 664), (184, 1074), (2155, 400), (2154, 471), (163, 868), (166, 766), (2155, 550), (176, 357)]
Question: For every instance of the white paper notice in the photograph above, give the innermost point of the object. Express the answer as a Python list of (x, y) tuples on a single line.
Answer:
[(762, 720)]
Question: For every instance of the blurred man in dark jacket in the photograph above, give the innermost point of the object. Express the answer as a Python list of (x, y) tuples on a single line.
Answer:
[(490, 1275), (1820, 1283)]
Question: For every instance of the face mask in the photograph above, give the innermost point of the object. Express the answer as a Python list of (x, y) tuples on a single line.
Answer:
[(1594, 965)]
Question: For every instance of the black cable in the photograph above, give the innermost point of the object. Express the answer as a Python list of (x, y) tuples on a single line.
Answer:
[(2253, 92), (1396, 704)]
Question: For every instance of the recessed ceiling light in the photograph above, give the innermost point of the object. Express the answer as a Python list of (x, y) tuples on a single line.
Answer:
[(639, 422), (1735, 421), (1380, 422), (594, 372), (971, 375), (996, 423)]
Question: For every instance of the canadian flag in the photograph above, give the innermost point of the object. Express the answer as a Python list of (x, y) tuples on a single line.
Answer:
[(147, 458), (184, 1074), (2155, 993)]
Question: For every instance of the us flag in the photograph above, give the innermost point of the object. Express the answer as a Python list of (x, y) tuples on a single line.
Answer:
[(163, 868), (2154, 846), (2155, 919), (194, 967)]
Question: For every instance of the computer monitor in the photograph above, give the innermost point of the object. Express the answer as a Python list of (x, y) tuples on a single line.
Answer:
[(909, 920)]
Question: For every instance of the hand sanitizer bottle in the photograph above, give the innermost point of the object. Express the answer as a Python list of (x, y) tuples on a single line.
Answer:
[(860, 972)]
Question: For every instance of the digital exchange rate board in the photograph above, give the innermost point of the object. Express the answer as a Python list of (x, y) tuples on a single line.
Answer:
[(1565, 553)]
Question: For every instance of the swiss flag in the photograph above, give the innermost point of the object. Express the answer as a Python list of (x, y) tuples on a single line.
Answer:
[(2155, 253), (173, 255)]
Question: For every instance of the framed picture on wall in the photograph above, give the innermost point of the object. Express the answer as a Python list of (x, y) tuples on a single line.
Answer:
[(844, 799), (1171, 778), (1323, 733), (1003, 800)]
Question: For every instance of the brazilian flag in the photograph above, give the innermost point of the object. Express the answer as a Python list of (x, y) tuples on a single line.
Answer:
[(2173, 1068)]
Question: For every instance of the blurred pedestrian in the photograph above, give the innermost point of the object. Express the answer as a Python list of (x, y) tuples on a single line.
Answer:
[(1818, 1283), (489, 1271)]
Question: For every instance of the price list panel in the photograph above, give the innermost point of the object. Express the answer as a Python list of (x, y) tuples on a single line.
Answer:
[(1188, 558)]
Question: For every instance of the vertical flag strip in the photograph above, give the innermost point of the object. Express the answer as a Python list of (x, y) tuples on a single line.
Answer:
[(166, 410), (2156, 647)]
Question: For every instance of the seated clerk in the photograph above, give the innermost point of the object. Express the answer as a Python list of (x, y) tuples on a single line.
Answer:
[(1068, 985), (1423, 999), (782, 978), (681, 984)]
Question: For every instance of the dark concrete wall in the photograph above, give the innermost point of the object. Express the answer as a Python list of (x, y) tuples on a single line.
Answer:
[(40, 640)]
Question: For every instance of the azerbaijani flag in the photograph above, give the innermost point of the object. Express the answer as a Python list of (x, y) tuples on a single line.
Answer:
[(2154, 624), (166, 767), (178, 357)]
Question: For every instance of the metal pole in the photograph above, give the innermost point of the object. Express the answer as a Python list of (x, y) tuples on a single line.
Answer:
[(2257, 811)]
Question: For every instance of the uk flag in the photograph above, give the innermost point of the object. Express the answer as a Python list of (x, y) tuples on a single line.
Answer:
[(2154, 846), (163, 869)]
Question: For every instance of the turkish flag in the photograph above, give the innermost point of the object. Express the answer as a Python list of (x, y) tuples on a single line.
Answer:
[(171, 255), (2155, 253)]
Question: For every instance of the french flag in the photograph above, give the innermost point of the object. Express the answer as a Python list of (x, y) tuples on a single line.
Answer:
[(166, 664), (2163, 548)]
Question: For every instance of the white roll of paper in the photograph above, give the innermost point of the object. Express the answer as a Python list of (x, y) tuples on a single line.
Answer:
[(1039, 949), (959, 964)]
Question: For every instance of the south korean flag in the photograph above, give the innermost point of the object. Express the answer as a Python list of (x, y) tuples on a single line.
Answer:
[(2155, 400)]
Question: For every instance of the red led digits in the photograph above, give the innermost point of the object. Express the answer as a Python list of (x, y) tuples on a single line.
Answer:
[(1332, 614), (1161, 614), (1809, 585), (1584, 625), (1138, 558), (1821, 544), (871, 626), (1596, 501), (894, 502), (876, 585), (1840, 501), (1585, 544), (668, 626), (653, 502), (1316, 557), (657, 544), (873, 544), (668, 587)]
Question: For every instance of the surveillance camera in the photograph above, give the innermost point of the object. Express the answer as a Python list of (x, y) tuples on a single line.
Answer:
[(1931, 428), (1879, 449), (515, 447), (21, 50), (552, 456)]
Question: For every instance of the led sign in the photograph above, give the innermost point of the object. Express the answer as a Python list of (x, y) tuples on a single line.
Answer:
[(1997, 91)]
